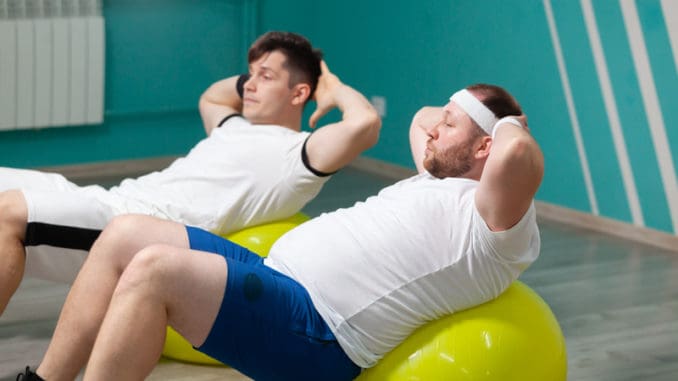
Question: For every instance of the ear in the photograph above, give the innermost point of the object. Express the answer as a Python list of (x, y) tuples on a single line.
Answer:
[(483, 147), (300, 93)]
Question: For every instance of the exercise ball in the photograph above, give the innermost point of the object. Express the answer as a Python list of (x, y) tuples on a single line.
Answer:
[(514, 337), (260, 238), (257, 239), (178, 348)]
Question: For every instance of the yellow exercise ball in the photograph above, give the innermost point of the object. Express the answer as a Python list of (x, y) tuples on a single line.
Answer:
[(260, 238), (514, 337), (178, 348), (257, 239)]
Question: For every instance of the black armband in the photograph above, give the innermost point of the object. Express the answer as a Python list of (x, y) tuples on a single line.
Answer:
[(240, 85)]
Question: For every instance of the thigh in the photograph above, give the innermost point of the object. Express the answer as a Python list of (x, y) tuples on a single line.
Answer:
[(128, 234), (11, 178), (67, 219), (268, 328), (191, 283)]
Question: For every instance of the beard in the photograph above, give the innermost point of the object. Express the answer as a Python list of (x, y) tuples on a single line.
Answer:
[(453, 161)]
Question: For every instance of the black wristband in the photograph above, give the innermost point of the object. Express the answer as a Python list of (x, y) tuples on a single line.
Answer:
[(240, 84)]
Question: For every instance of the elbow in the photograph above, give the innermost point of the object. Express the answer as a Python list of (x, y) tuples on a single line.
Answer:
[(367, 129), (203, 103), (525, 151), (374, 128), (426, 117), (372, 131), (426, 113)]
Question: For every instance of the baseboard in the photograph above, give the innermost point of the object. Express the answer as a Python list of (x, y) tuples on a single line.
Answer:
[(551, 212), (382, 168), (608, 226), (111, 169)]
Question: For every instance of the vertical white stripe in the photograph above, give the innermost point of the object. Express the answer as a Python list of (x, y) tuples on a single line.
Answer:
[(25, 73), (590, 191), (95, 70), (78, 74), (61, 62), (8, 74), (670, 10), (42, 107), (612, 113), (652, 109)]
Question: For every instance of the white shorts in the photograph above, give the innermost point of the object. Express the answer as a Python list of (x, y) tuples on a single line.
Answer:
[(64, 219)]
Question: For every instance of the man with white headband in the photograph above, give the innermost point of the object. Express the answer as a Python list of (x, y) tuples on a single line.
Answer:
[(338, 292)]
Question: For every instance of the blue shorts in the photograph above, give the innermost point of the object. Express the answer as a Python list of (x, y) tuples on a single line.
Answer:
[(267, 326)]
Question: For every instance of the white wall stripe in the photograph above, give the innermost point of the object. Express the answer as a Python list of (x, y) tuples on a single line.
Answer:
[(612, 113), (590, 191), (652, 109), (670, 11)]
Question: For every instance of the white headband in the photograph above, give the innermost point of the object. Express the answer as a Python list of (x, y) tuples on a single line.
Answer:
[(475, 109)]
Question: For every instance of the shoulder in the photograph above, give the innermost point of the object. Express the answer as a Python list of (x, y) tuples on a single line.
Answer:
[(231, 119)]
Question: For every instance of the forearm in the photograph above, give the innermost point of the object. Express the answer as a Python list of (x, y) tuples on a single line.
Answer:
[(337, 144), (511, 177), (219, 100), (361, 121), (513, 148), (223, 93)]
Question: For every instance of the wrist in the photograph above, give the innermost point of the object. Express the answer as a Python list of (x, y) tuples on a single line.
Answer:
[(503, 121), (240, 84)]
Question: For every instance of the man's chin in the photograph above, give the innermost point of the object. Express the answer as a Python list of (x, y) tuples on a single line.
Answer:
[(427, 164)]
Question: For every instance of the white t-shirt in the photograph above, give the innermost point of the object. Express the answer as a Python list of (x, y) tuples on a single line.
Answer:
[(415, 252), (241, 175)]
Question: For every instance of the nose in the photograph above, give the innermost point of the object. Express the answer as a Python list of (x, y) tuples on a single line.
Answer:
[(432, 130), (249, 85)]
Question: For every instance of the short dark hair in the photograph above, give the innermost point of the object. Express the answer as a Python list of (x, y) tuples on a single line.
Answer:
[(497, 99), (302, 60)]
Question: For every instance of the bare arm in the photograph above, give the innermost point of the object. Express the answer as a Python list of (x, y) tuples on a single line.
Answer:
[(511, 177), (424, 119), (218, 101), (337, 144)]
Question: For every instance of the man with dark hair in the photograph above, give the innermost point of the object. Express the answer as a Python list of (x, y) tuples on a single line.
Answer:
[(336, 293), (302, 58), (254, 166)]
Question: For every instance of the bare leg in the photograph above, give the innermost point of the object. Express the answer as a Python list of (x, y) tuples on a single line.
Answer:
[(91, 293), (162, 285), (13, 217)]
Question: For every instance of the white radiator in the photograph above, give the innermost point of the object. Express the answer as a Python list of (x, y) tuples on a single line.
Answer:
[(51, 63)]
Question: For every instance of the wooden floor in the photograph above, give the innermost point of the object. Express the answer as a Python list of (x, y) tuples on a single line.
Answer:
[(616, 301)]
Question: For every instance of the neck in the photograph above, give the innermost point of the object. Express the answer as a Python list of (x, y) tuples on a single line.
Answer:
[(476, 172), (293, 122)]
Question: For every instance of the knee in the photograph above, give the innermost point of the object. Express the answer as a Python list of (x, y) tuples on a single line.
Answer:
[(123, 228), (122, 237), (116, 244), (13, 213), (149, 270)]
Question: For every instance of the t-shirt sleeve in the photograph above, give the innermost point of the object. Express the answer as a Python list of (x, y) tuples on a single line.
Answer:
[(519, 244)]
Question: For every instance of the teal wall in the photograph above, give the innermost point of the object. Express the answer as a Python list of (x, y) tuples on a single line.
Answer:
[(596, 123), (416, 53)]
